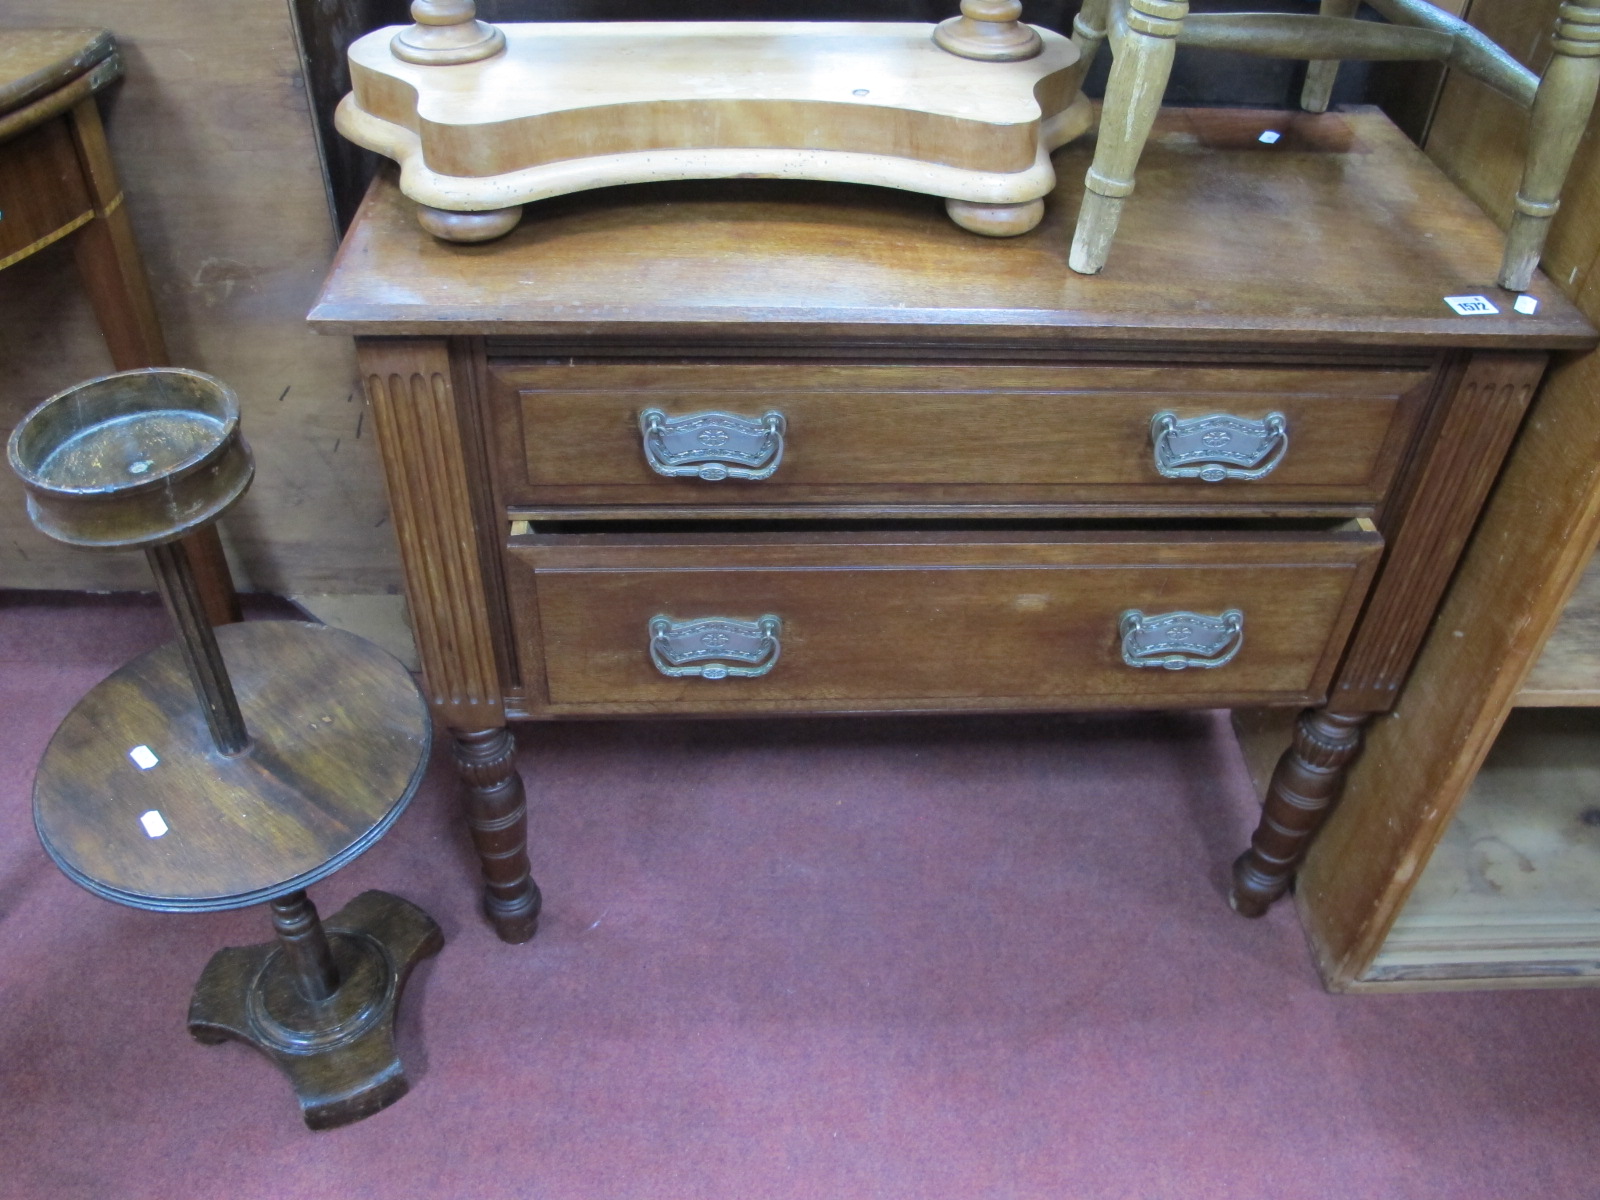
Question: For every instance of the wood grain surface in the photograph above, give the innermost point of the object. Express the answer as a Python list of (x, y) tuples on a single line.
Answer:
[(1535, 537), (339, 740), (42, 193), (423, 426), (928, 620), (1456, 462), (34, 62), (570, 91), (209, 129), (569, 432), (1568, 670), (1340, 234)]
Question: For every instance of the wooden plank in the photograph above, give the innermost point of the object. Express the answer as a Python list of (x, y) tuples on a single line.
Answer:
[(1513, 887), (1535, 538), (1568, 672), (210, 136), (1532, 546)]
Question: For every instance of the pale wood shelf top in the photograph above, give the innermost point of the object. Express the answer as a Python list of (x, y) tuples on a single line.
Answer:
[(556, 67), (570, 107)]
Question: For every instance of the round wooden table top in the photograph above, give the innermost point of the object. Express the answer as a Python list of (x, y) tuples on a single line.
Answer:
[(133, 801)]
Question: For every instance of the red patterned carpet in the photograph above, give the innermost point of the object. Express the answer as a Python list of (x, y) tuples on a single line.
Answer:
[(947, 959)]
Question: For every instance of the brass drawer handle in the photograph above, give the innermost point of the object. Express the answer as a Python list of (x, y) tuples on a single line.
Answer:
[(1180, 640), (715, 647), (712, 445), (1218, 446)]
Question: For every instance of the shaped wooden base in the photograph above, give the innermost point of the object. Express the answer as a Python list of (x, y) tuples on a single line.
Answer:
[(338, 1051), (567, 107)]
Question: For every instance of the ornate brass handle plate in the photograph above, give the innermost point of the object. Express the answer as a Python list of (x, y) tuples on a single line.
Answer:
[(1219, 446), (715, 647), (1178, 641), (712, 445)]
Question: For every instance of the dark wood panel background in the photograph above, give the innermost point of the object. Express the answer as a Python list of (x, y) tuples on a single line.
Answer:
[(326, 28)]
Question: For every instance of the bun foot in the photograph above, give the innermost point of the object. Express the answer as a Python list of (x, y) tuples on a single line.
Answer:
[(468, 226), (996, 220)]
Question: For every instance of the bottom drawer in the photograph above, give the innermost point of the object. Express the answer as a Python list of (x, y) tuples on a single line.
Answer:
[(618, 623)]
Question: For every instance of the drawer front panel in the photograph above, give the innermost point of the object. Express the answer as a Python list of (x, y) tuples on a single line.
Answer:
[(908, 623), (571, 435)]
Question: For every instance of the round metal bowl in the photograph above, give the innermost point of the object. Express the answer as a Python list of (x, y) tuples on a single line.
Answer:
[(132, 459)]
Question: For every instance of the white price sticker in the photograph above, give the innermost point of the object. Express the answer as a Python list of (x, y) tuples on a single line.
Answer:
[(1472, 306), (1270, 137), (143, 757), (1526, 305), (154, 824)]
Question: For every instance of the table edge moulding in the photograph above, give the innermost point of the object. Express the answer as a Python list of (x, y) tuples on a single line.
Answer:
[(900, 377)]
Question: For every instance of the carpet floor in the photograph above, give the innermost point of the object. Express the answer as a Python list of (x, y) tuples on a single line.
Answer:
[(974, 958)]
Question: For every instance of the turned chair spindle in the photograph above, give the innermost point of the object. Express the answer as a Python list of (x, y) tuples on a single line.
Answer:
[(1145, 34)]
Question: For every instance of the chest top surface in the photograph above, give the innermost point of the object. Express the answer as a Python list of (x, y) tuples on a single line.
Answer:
[(1341, 233)]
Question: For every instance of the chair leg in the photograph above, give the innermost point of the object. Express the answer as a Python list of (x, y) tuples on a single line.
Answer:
[(1141, 63), (1560, 113), (1321, 72), (1088, 35)]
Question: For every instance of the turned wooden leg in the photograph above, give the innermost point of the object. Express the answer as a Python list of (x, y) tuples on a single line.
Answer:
[(1088, 35), (305, 947), (1141, 63), (990, 31), (1308, 779), (446, 32), (1560, 114), (1321, 72), (497, 815)]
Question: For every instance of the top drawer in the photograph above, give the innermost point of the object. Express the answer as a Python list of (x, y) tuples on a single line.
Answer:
[(569, 433)]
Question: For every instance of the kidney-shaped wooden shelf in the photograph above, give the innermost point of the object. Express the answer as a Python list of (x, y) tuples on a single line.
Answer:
[(567, 107)]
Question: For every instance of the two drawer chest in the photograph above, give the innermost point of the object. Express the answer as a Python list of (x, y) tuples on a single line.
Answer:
[(736, 449)]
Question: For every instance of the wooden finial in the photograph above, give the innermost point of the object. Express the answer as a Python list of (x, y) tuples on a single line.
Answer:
[(990, 31), (446, 32)]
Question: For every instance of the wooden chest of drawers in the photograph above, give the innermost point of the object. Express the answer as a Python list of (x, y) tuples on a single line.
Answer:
[(768, 448)]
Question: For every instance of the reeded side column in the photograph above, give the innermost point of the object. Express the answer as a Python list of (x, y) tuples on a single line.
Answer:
[(1140, 67)]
